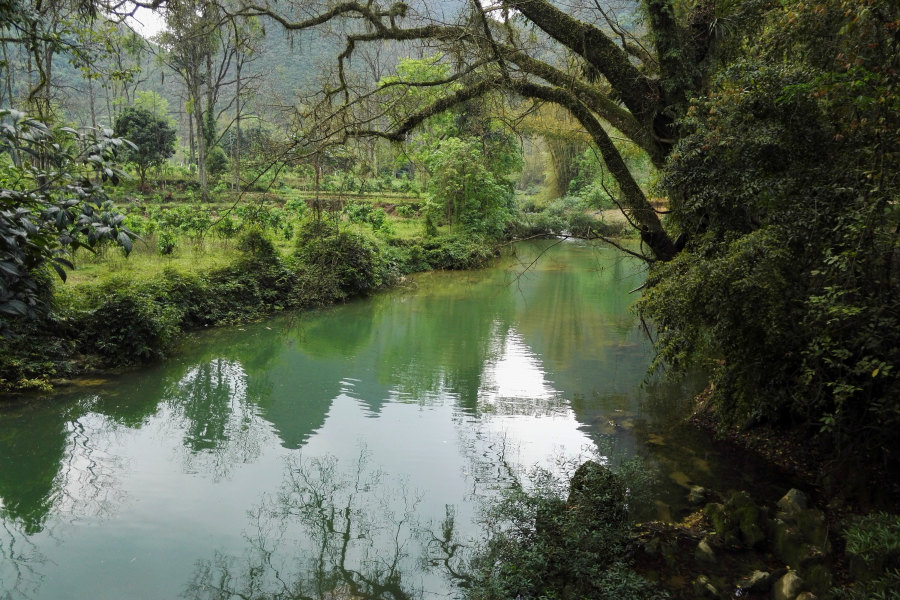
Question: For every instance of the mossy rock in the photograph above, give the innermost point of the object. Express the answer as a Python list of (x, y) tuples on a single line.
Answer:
[(742, 512), (818, 577), (792, 548), (715, 512), (814, 528)]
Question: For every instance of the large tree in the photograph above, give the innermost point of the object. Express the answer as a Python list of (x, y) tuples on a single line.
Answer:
[(582, 60), (776, 128)]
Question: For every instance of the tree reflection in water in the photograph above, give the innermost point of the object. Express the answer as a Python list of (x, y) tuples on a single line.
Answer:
[(329, 533)]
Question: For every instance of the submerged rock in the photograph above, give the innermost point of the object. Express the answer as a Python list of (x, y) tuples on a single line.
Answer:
[(789, 587), (794, 501), (760, 582), (807, 596), (704, 588), (704, 552)]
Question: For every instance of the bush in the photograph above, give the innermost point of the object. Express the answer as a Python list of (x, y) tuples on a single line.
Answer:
[(335, 265), (563, 543), (166, 242), (256, 243), (457, 252), (359, 213), (129, 327), (217, 161), (406, 211)]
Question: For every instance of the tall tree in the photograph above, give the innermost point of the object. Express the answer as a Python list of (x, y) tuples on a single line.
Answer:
[(189, 43), (152, 135)]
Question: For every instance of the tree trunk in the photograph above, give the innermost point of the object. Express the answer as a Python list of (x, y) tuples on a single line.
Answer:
[(191, 157), (91, 100), (201, 144), (237, 144)]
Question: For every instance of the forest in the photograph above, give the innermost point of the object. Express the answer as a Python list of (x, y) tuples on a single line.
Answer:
[(173, 165)]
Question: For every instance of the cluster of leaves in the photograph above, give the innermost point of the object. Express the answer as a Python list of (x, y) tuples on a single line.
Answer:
[(873, 544), (464, 191), (366, 213), (52, 202), (560, 540), (786, 189), (153, 138)]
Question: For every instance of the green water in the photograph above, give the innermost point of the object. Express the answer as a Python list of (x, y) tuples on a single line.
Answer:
[(334, 453)]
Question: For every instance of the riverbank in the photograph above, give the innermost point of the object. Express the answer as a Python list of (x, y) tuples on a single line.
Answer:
[(127, 318)]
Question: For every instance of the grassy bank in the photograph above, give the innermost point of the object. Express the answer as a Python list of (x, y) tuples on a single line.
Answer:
[(199, 265), (126, 312)]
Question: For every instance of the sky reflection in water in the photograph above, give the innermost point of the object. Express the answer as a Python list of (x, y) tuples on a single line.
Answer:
[(335, 453)]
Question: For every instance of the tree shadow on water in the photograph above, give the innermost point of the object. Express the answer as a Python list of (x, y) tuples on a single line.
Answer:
[(331, 533)]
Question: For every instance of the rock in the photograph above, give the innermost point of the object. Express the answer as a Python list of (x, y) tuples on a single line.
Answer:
[(807, 596), (741, 510), (697, 495), (704, 552), (704, 588), (789, 586), (716, 514), (818, 578), (813, 527), (790, 545), (760, 582), (794, 501)]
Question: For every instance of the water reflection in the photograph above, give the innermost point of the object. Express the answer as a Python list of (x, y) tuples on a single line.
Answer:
[(331, 533), (453, 384)]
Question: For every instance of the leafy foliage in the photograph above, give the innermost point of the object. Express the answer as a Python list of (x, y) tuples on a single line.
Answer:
[(52, 201), (560, 540), (785, 188), (153, 138), (463, 191)]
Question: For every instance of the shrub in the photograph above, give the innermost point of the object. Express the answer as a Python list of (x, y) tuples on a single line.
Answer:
[(406, 211), (337, 264), (563, 543), (129, 327), (255, 242), (166, 242)]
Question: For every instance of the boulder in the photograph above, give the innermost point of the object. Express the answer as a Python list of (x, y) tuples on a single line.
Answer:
[(697, 495), (704, 552), (704, 588), (813, 527), (743, 512), (794, 501), (789, 587), (791, 547), (818, 578), (716, 514), (807, 596), (759, 582)]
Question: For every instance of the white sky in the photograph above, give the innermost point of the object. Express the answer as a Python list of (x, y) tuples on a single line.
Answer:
[(147, 22)]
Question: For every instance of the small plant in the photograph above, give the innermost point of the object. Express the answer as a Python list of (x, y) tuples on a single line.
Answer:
[(406, 211), (359, 213), (166, 242), (296, 207), (378, 219)]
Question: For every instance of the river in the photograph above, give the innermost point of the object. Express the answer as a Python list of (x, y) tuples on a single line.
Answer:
[(343, 451)]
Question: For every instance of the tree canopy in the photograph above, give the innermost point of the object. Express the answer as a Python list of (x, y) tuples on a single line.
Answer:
[(153, 138)]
